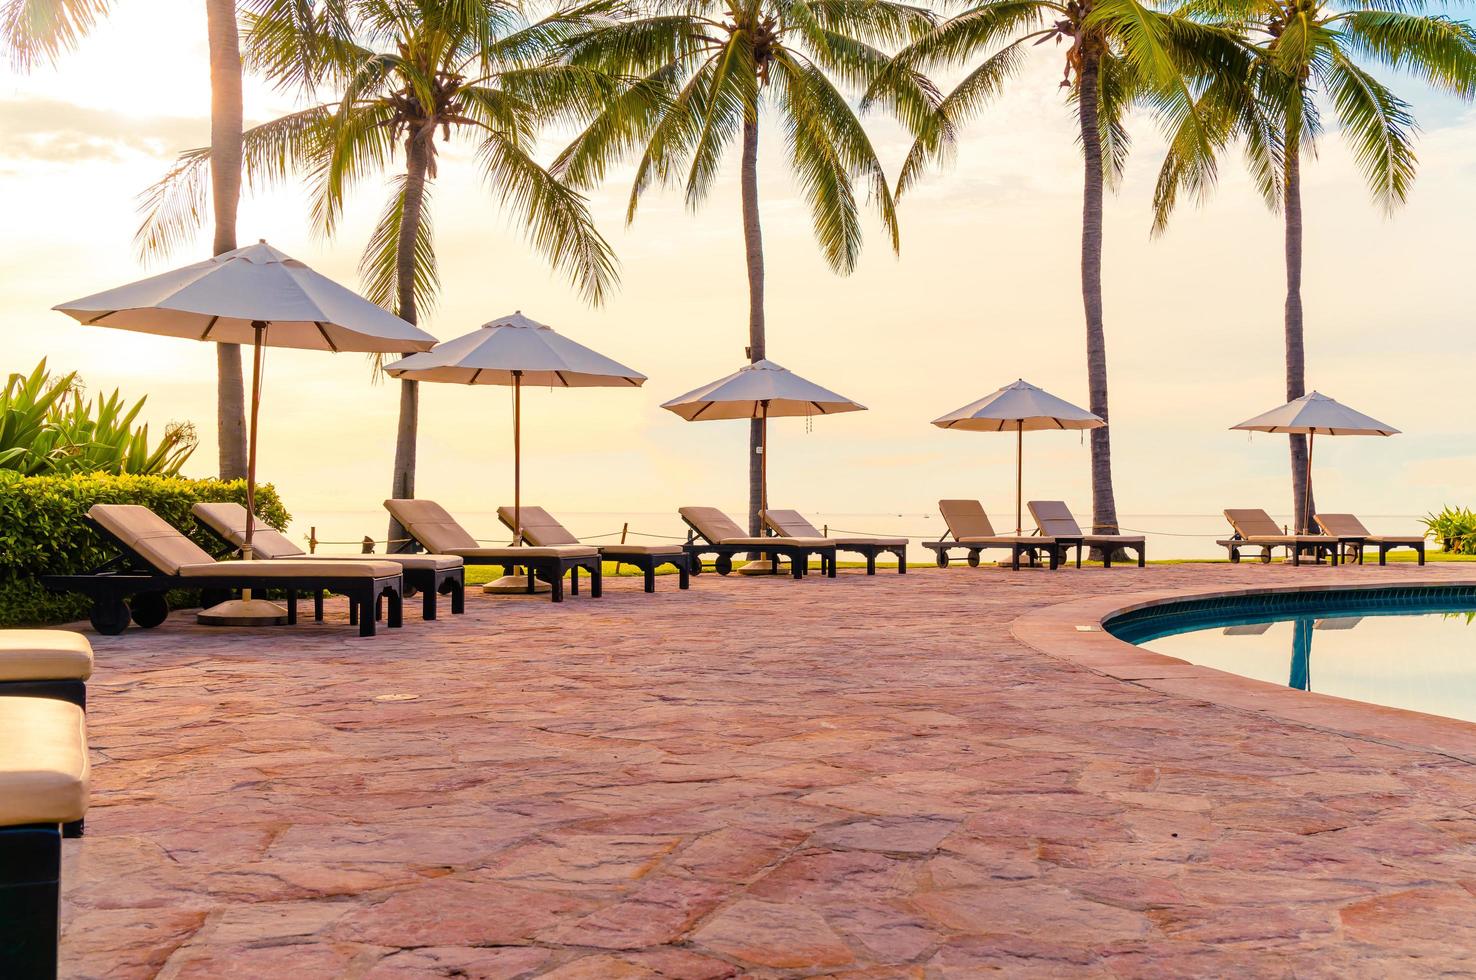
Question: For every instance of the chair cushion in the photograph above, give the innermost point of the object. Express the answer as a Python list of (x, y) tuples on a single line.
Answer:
[(420, 561), (430, 524), (1053, 517), (292, 568), (539, 527), (789, 542), (711, 523), (43, 761), (1411, 539), (572, 551), (966, 519), (228, 520), (44, 655), (873, 542), (149, 536), (791, 524), (610, 550), (1005, 540), (1343, 525)]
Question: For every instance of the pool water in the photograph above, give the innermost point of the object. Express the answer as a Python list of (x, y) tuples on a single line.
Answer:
[(1405, 648)]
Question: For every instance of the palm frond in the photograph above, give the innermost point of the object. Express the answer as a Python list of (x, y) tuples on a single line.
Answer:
[(35, 32), (379, 266), (1378, 124), (1439, 51)]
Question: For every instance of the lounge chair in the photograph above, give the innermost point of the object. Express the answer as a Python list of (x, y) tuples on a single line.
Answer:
[(721, 536), (44, 776), (542, 531), (1256, 529), (1054, 519), (1353, 537), (45, 664), (155, 558), (972, 532), (430, 575), (790, 524), (435, 530)]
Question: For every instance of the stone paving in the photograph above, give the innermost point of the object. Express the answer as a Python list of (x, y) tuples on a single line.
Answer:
[(858, 777)]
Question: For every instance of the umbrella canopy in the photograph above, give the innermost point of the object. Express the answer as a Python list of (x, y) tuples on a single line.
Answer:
[(758, 390), (224, 298), (510, 351), (1312, 415), (1316, 414), (514, 350), (1019, 408)]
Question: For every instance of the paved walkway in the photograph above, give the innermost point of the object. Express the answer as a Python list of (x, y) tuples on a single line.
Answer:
[(855, 777)]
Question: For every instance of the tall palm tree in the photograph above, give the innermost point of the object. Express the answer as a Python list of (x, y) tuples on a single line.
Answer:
[(409, 74), (1119, 53), (704, 72), (36, 31), (1308, 50)]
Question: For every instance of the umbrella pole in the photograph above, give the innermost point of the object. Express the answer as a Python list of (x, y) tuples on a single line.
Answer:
[(763, 464), (517, 582), (1019, 472), (1307, 489)]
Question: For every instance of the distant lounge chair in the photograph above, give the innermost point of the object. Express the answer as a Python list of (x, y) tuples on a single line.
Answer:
[(45, 664), (430, 575), (972, 531), (721, 536), (1054, 520), (1354, 537), (542, 531), (44, 774), (156, 558), (435, 530), (1256, 529), (791, 524)]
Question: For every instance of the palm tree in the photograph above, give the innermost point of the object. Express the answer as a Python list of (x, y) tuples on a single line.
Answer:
[(409, 74), (1119, 54), (702, 74), (1307, 50), (39, 30)]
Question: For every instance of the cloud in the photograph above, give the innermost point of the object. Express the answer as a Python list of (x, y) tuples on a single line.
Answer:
[(57, 131)]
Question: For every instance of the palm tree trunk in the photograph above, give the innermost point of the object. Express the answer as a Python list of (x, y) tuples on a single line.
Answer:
[(225, 194), (1104, 507), (417, 161), (1296, 353), (754, 252)]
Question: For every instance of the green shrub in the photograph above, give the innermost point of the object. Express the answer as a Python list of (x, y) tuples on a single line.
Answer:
[(42, 531), (48, 427), (1455, 529)]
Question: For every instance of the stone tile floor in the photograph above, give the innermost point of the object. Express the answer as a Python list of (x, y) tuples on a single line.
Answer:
[(852, 777)]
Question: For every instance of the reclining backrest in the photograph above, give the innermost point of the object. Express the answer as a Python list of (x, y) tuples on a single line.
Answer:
[(966, 518), (790, 524), (1343, 525), (427, 522), (228, 520), (1054, 519), (149, 536), (539, 527), (711, 523), (1253, 524)]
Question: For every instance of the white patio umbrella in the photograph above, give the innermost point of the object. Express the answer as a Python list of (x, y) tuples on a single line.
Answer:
[(761, 390), (1019, 408), (1313, 414), (513, 351), (259, 296)]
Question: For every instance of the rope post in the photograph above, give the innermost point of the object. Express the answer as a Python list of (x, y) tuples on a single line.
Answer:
[(313, 540), (367, 545), (624, 530)]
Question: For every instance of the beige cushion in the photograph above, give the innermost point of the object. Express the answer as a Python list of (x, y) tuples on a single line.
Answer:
[(419, 562), (711, 523), (539, 527), (43, 761), (966, 519), (1253, 524), (791, 524), (1093, 540), (1054, 518), (430, 524), (746, 542), (572, 551), (612, 550), (292, 568), (44, 655), (864, 541), (149, 536), (1006, 540), (229, 521)]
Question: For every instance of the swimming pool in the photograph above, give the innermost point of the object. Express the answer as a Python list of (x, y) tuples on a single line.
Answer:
[(1408, 647)]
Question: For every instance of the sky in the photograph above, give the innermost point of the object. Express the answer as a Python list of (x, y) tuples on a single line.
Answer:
[(985, 291)]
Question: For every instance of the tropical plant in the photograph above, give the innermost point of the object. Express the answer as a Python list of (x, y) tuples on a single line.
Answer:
[(1310, 53), (1120, 54), (48, 426), (405, 73), (37, 31), (1454, 528), (702, 74)]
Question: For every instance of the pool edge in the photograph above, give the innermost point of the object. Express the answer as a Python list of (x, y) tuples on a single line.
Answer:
[(1072, 631)]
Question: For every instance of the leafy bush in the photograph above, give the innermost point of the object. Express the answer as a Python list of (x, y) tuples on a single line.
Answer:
[(48, 426), (1455, 529), (42, 531)]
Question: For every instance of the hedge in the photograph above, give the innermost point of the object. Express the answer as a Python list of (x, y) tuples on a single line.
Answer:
[(42, 531)]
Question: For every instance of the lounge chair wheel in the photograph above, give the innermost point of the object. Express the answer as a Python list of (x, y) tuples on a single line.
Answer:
[(973, 559), (942, 560), (109, 616), (149, 609), (724, 564)]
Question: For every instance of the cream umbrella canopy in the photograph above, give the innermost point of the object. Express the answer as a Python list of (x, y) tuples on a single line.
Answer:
[(262, 297), (513, 351), (761, 390), (1311, 415), (1019, 408)]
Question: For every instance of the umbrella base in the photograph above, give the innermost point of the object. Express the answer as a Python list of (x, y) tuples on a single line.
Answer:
[(515, 585), (243, 612), (761, 567)]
